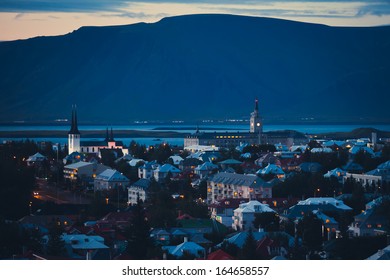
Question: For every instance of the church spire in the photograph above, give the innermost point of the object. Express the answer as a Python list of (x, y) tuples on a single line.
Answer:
[(74, 128), (112, 135), (256, 104)]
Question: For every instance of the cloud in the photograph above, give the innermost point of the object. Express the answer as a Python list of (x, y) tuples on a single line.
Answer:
[(305, 8)]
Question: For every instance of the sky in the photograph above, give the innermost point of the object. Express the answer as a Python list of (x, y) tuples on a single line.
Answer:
[(21, 19)]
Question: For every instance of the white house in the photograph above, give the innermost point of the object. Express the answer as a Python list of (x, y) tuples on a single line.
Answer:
[(223, 211), (138, 189), (35, 159), (205, 169), (161, 172), (110, 179), (146, 171), (272, 169), (244, 215)]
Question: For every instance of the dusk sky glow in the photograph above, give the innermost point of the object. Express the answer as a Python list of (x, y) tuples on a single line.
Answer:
[(20, 19)]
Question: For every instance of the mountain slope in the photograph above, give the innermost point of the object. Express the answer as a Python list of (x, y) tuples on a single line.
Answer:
[(199, 66)]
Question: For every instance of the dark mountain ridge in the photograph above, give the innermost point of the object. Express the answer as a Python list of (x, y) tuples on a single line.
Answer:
[(199, 67)]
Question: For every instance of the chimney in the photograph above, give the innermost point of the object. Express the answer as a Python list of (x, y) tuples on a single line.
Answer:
[(185, 239)]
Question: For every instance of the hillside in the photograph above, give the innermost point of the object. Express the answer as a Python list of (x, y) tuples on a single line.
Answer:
[(199, 67)]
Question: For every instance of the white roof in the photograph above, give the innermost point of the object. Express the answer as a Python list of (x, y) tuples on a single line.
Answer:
[(36, 157), (253, 206), (84, 242), (189, 246), (111, 175), (77, 165), (321, 150), (176, 159), (337, 172), (201, 148), (325, 200), (271, 169), (134, 161)]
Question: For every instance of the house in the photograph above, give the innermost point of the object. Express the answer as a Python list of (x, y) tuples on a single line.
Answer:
[(329, 225), (110, 179), (321, 150), (272, 169), (175, 160), (146, 171), (324, 204), (186, 248), (268, 248), (222, 211), (138, 190), (44, 222), (84, 171), (244, 215), (36, 159), (266, 159), (205, 169), (359, 148), (338, 173), (368, 223), (161, 172), (372, 221), (382, 170), (89, 247), (190, 163), (73, 158), (230, 185)]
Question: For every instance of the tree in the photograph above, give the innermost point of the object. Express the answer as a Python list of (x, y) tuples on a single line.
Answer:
[(310, 229), (138, 238), (248, 251), (55, 244), (269, 221)]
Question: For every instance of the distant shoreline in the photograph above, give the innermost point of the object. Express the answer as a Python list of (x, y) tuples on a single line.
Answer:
[(91, 134)]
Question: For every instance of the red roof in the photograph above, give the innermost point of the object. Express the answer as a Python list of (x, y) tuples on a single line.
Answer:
[(219, 255)]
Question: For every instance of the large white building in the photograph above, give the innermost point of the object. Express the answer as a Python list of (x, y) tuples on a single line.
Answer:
[(230, 185), (110, 179), (244, 215)]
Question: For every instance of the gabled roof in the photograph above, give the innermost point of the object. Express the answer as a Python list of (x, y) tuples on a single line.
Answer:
[(337, 172), (230, 161), (253, 206), (111, 175), (271, 169), (206, 166), (36, 157), (357, 148), (190, 247), (237, 179), (168, 168), (385, 165), (78, 165), (383, 254), (352, 166), (84, 242), (325, 201), (310, 167), (219, 255), (141, 183)]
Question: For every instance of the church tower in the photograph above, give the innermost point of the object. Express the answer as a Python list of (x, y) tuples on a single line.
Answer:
[(74, 134), (256, 126)]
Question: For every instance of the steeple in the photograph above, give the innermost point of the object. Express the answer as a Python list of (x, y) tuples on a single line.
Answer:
[(107, 136), (74, 128), (112, 135), (256, 105)]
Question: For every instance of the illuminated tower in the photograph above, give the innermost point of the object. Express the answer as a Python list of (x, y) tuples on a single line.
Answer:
[(74, 133), (256, 125)]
